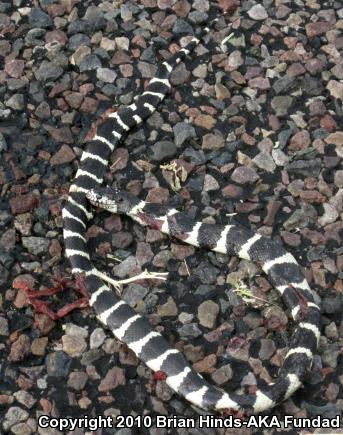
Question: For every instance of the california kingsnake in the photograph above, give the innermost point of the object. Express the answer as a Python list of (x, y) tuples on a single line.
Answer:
[(134, 330)]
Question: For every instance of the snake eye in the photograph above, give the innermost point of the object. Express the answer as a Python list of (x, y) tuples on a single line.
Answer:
[(98, 196)]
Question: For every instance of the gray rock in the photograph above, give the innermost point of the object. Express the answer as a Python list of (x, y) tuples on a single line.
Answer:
[(181, 26), (329, 410), (163, 150), (16, 102), (106, 75), (222, 375), (257, 12), (281, 104), (284, 84), (182, 132), (90, 356), (97, 338), (3, 143), (58, 364), (77, 40), (134, 293), (89, 63), (267, 349), (77, 380), (36, 245), (207, 314), (264, 161), (14, 415), (4, 331), (305, 168), (38, 18), (48, 71), (332, 305), (206, 272), (190, 330), (197, 17)]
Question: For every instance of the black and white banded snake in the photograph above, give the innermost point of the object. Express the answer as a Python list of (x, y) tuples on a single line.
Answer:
[(134, 330)]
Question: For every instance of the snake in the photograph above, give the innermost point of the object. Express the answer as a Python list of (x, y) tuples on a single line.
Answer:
[(134, 330)]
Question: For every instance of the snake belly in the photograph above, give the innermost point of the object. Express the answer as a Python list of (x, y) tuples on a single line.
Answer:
[(133, 329)]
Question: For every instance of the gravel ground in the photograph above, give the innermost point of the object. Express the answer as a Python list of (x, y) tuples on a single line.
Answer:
[(252, 126)]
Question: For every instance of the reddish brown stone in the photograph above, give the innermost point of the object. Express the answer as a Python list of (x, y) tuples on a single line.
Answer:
[(55, 248), (206, 365), (64, 155), (56, 36), (328, 123), (272, 209), (89, 105), (317, 29), (158, 195), (228, 6), (15, 68), (62, 134), (22, 203), (312, 196), (20, 348), (300, 141)]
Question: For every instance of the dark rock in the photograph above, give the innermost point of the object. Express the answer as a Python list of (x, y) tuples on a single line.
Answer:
[(58, 364), (38, 18)]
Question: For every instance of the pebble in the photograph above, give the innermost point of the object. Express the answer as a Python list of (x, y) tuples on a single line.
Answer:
[(207, 314), (77, 380), (15, 68), (3, 143), (38, 18), (97, 338), (169, 309), (25, 398), (244, 175), (222, 375), (210, 183), (190, 330), (182, 132), (106, 75), (257, 12), (264, 161), (58, 364), (335, 88), (36, 245), (211, 141), (113, 378), (89, 63), (20, 348), (4, 331), (134, 293), (163, 150), (73, 345), (48, 71), (16, 102), (64, 155), (281, 104)]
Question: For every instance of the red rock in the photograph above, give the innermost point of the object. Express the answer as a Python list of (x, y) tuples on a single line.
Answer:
[(228, 6), (15, 68), (56, 36), (56, 10), (205, 121), (120, 57), (89, 105), (181, 252), (119, 159), (312, 196), (259, 83), (296, 69), (328, 123), (114, 377), (20, 349), (158, 195), (290, 239), (44, 323), (62, 134), (182, 8), (126, 70), (55, 248), (314, 65), (274, 122), (22, 203), (318, 28), (57, 89), (232, 191), (74, 99), (64, 155), (206, 365), (300, 141)]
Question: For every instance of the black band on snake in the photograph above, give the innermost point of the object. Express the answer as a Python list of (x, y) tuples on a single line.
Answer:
[(134, 330)]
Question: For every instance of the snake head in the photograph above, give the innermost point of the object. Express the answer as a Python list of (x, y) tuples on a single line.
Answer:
[(112, 200)]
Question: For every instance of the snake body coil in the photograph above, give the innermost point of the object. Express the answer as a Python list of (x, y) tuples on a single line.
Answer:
[(134, 330)]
